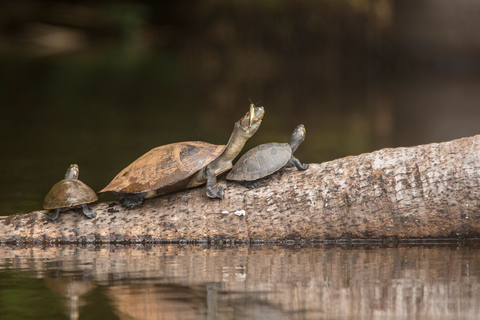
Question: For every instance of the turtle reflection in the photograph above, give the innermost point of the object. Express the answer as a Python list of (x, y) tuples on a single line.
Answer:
[(206, 301), (73, 291)]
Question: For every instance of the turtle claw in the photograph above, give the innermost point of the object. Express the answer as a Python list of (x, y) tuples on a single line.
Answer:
[(251, 184), (88, 212), (300, 166), (53, 216), (91, 214), (213, 190), (304, 166), (132, 201), (216, 192)]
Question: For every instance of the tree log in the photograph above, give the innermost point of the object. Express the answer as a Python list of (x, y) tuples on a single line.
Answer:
[(427, 191)]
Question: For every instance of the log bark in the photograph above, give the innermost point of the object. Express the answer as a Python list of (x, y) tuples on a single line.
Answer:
[(427, 191)]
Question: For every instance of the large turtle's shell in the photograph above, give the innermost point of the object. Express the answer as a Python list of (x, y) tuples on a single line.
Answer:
[(166, 168), (69, 193), (261, 161)]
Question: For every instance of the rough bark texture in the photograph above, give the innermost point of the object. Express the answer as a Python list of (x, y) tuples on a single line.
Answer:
[(428, 191)]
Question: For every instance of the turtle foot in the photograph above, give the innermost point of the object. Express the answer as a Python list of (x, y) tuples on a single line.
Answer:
[(53, 216), (88, 212), (132, 201), (213, 190), (303, 167), (251, 184), (216, 192), (300, 166)]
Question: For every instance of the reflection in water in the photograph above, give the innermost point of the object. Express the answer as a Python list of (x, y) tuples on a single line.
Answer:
[(72, 290), (206, 301), (171, 282)]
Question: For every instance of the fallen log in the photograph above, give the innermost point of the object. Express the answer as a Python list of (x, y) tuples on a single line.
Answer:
[(427, 191)]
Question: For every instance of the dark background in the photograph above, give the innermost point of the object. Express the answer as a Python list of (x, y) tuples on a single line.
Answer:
[(101, 83)]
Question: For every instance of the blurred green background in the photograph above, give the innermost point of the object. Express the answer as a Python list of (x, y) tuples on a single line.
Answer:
[(100, 83)]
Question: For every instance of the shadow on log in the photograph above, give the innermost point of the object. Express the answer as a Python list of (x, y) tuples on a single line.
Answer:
[(427, 191)]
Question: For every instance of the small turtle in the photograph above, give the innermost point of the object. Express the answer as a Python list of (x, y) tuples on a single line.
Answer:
[(70, 192), (182, 165), (266, 159)]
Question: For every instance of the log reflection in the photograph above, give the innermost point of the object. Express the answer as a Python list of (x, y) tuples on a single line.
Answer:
[(170, 282)]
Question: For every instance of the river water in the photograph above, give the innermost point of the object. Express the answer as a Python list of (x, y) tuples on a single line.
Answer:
[(428, 281), (367, 281)]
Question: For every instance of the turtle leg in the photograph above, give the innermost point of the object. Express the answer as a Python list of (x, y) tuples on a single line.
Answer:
[(213, 190), (251, 184), (54, 215), (132, 200), (300, 166), (88, 212)]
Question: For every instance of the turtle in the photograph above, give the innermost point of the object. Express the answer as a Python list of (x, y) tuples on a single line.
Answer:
[(68, 193), (183, 165), (265, 159)]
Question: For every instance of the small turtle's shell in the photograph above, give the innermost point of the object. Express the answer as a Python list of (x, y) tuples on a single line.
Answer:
[(261, 161), (69, 193), (166, 168)]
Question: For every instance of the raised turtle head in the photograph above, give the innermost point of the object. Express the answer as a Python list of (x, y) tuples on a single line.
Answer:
[(243, 130), (252, 120), (297, 137), (72, 172)]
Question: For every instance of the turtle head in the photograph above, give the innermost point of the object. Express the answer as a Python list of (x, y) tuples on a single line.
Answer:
[(243, 130), (297, 137), (72, 172), (252, 120)]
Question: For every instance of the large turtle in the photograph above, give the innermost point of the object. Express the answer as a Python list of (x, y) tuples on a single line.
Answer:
[(268, 158), (183, 165), (70, 192)]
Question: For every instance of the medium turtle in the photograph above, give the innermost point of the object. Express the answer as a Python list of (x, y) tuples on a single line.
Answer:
[(268, 158), (70, 192), (183, 165)]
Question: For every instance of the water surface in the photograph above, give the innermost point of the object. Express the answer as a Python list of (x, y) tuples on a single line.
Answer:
[(429, 281)]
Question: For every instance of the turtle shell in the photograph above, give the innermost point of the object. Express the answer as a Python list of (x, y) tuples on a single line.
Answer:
[(261, 161), (166, 168), (69, 193)]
